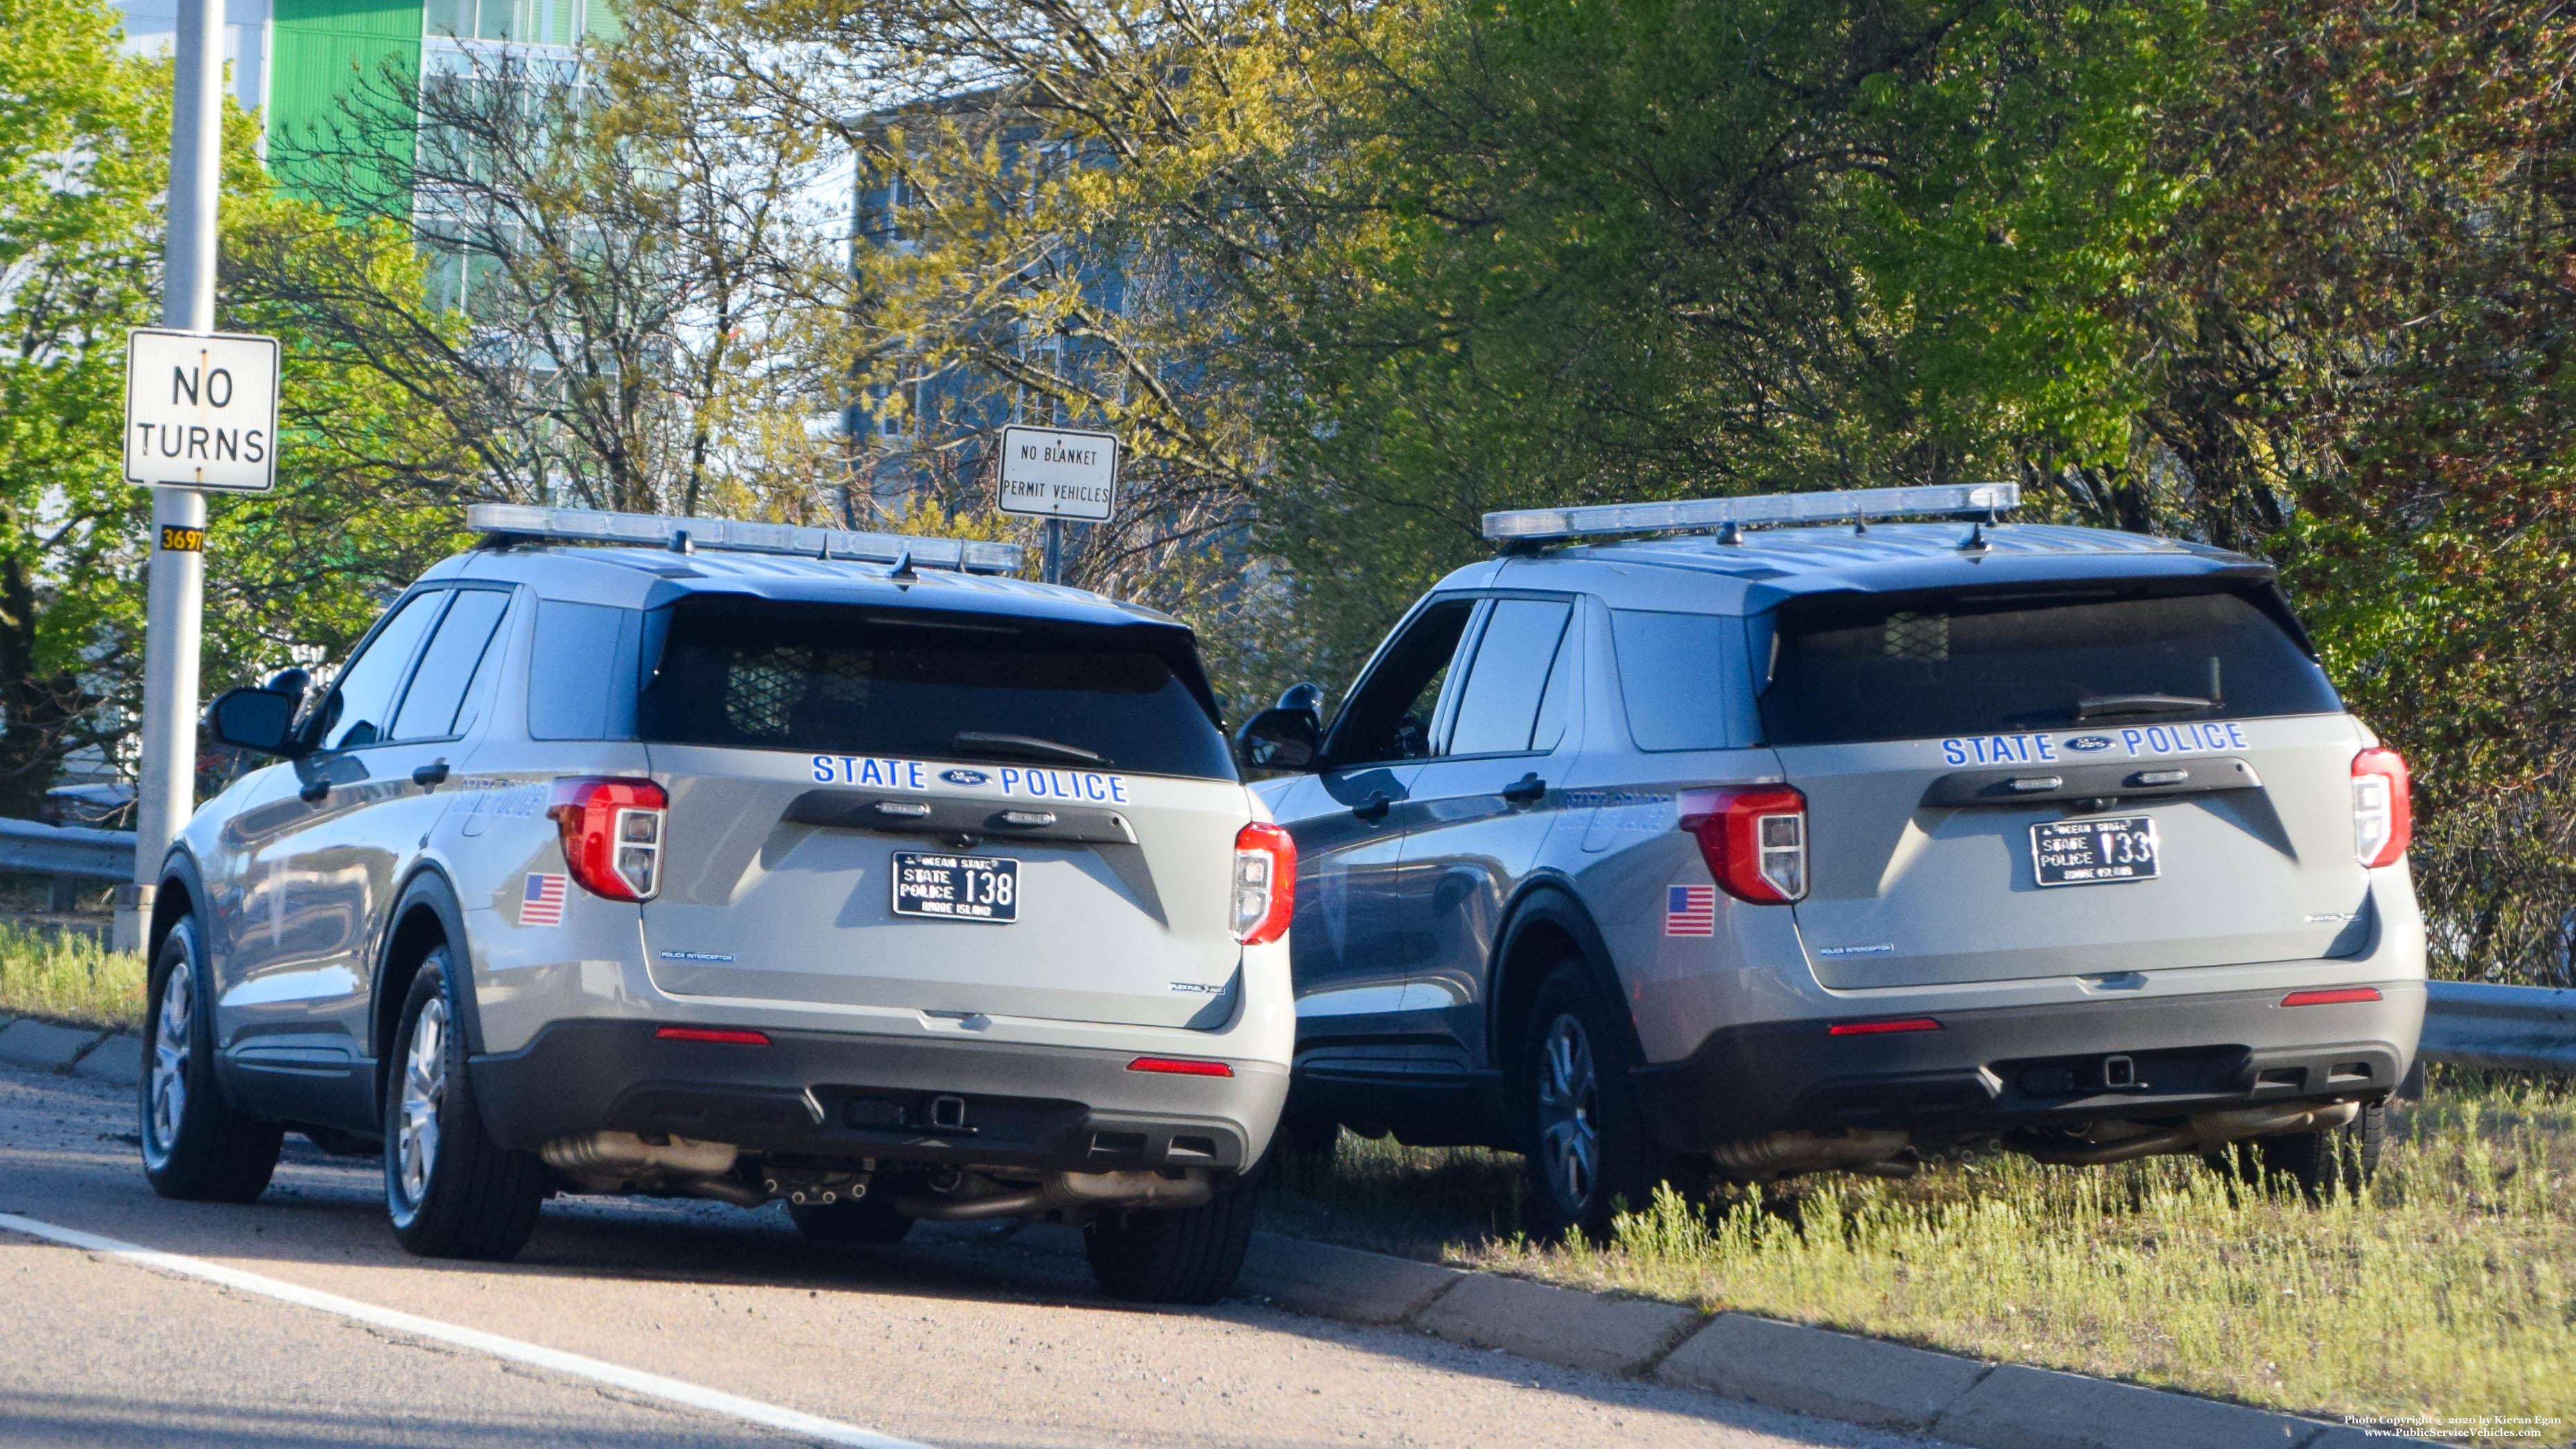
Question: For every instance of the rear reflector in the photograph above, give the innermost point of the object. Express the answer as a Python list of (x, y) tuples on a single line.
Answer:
[(2331, 997), (725, 1035), (1180, 1067), (1881, 1028)]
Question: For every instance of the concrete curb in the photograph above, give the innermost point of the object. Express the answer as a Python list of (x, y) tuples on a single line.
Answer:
[(43, 1045), (116, 1060), (1558, 1325), (1788, 1366), (113, 1057), (1830, 1375)]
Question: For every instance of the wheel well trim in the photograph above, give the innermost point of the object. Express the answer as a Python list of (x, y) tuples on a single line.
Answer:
[(1548, 901), (178, 868), (426, 891)]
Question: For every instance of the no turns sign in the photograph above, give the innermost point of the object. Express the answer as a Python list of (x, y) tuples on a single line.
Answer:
[(201, 410)]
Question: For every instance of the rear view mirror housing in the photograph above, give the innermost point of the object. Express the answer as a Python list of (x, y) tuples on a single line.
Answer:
[(261, 719), (1287, 736)]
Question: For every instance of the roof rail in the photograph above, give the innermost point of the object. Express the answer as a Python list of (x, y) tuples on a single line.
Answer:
[(653, 530), (1851, 505)]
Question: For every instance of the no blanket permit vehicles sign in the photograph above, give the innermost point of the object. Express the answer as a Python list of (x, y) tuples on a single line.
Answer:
[(1059, 473), (201, 410)]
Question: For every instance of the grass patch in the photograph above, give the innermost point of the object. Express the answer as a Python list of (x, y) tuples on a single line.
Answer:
[(68, 977), (2450, 1290)]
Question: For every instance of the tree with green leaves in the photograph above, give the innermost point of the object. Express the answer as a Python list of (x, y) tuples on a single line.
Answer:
[(364, 474)]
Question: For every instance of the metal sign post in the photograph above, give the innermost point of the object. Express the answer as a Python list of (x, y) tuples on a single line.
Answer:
[(1056, 474), (176, 584)]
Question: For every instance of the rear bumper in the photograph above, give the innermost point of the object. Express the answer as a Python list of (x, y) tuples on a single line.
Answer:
[(2028, 1066), (838, 1098)]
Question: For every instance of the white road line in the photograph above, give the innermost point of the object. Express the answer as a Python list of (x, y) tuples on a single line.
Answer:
[(633, 1381)]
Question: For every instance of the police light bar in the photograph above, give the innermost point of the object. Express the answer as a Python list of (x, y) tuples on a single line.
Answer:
[(1847, 506), (653, 530)]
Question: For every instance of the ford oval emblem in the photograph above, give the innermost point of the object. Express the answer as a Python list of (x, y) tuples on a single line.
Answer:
[(2089, 743), (978, 777)]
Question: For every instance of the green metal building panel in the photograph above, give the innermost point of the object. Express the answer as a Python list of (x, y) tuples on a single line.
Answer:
[(340, 71)]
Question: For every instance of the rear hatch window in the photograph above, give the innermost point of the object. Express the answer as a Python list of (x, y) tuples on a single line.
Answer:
[(1951, 746), (1847, 670), (838, 773), (845, 679)]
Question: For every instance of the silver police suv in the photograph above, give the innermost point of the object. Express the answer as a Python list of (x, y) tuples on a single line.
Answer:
[(746, 862), (1826, 847)]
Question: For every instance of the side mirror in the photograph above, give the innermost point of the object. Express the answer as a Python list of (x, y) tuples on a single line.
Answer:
[(1287, 736), (255, 719)]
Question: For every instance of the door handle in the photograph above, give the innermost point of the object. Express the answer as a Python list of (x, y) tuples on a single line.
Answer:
[(429, 777), (1374, 808), (1529, 789)]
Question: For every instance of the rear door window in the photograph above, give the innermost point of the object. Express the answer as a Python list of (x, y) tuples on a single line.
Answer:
[(430, 708), (856, 679), (1877, 669), (1516, 656)]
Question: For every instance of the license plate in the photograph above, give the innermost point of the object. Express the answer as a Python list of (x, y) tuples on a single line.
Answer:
[(956, 887), (2094, 852)]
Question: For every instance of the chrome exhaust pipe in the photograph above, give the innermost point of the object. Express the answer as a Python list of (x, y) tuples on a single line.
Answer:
[(1778, 1154), (2199, 1133), (625, 1162), (1083, 1192)]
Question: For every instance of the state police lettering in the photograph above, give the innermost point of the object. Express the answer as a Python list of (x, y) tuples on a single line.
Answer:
[(1066, 785), (2179, 739), (864, 770), (1089, 785)]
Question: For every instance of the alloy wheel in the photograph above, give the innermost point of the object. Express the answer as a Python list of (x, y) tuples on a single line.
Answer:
[(171, 1034), (1569, 1133), (424, 1088)]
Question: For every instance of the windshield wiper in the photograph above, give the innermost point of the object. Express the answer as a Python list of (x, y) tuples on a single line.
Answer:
[(1027, 747), (2101, 705)]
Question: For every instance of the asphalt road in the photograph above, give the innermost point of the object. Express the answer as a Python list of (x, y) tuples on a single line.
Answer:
[(957, 1337)]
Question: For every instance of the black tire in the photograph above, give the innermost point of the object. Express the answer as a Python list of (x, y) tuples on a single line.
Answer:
[(869, 1219), (1580, 1126), (450, 1191), (2337, 1161), (196, 1146), (1185, 1255)]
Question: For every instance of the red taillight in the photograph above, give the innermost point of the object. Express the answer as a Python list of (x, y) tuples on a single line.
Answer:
[(1265, 883), (2383, 815), (2331, 996), (1754, 840), (612, 835), (1180, 1067), (724, 1035), (1881, 1028)]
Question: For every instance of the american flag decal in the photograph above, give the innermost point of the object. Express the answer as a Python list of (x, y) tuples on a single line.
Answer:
[(541, 904), (1690, 910)]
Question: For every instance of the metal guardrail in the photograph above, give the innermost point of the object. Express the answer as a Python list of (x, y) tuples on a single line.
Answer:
[(2514, 1028), (68, 853)]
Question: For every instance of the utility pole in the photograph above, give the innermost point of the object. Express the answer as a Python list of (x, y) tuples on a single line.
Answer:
[(176, 585)]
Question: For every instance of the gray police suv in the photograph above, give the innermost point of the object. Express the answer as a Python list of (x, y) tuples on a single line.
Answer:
[(1756, 853), (747, 862)]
